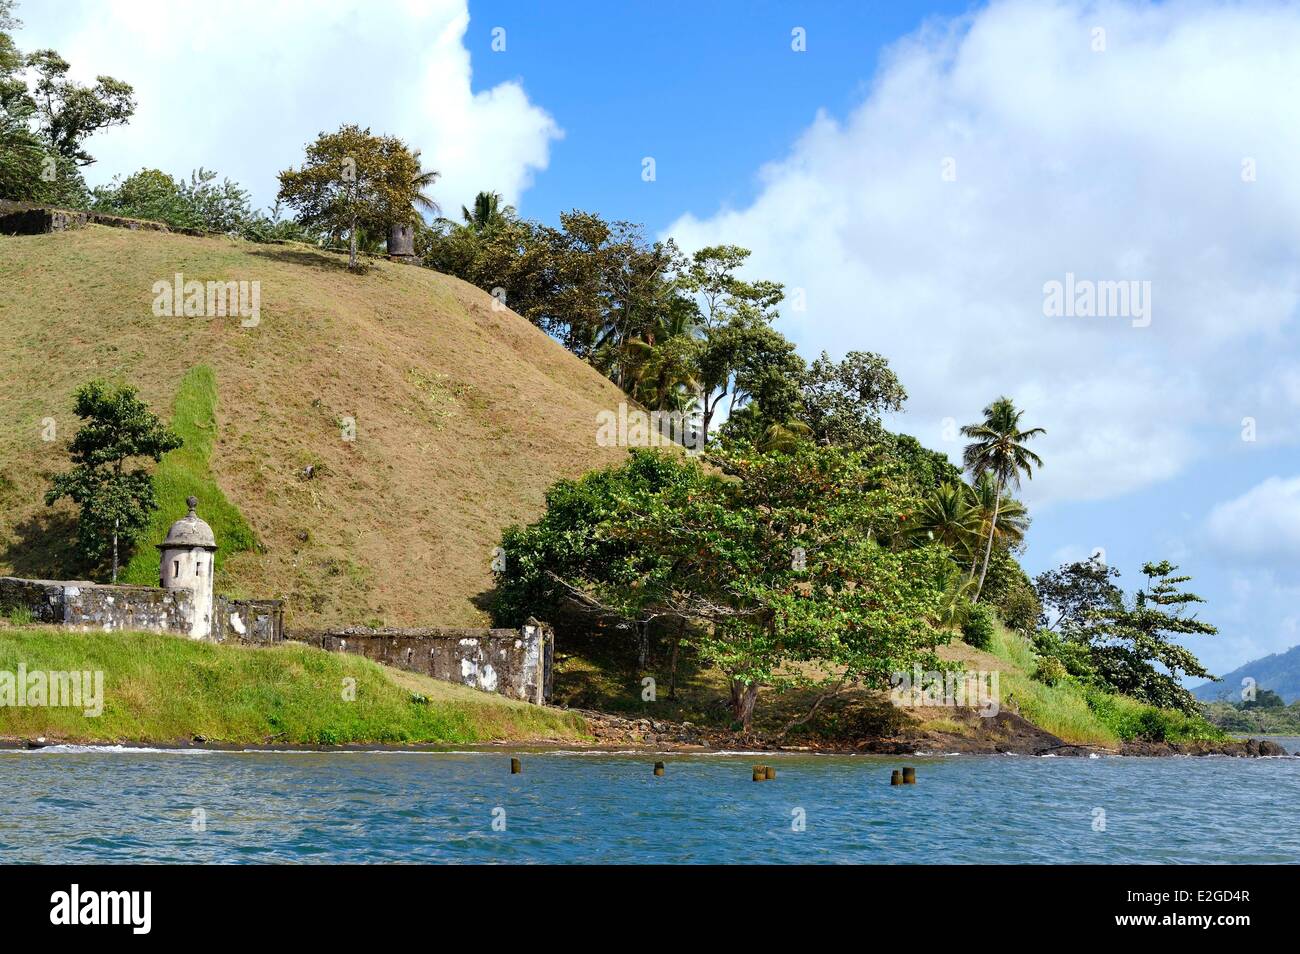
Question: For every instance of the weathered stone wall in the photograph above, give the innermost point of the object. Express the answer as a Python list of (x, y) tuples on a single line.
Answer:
[(248, 621), (25, 218), (21, 218), (85, 605), (94, 606), (513, 662)]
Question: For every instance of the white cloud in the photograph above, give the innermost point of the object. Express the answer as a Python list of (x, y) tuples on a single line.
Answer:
[(242, 86), (1262, 524), (1117, 165)]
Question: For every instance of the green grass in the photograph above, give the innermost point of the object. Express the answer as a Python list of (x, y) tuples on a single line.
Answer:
[(1082, 715), (186, 472), (164, 689)]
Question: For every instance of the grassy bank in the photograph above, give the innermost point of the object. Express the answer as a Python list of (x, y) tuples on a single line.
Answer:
[(1079, 714), (169, 689)]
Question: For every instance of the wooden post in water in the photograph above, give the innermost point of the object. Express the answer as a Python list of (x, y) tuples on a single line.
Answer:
[(896, 777), (770, 772), (760, 773), (516, 766), (909, 775), (659, 768)]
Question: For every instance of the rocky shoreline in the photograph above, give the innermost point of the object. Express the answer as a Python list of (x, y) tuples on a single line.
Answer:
[(1005, 733)]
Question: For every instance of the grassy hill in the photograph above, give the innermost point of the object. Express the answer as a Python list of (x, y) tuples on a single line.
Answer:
[(168, 689), (464, 415)]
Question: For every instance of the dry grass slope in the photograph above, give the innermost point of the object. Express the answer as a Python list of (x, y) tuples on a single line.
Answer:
[(464, 414)]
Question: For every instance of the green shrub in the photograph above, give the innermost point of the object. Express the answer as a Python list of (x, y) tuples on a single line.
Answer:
[(1049, 671), (977, 630), (1075, 657), (1135, 721)]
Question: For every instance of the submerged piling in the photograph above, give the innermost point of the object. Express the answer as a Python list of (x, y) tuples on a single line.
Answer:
[(770, 772), (516, 766), (659, 768), (909, 775), (896, 777), (760, 773)]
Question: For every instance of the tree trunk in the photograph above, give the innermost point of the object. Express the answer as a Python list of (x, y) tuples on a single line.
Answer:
[(743, 698), (988, 547), (352, 246), (115, 525), (672, 669), (642, 644)]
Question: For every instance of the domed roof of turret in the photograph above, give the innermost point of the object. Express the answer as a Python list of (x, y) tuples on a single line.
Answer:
[(189, 531)]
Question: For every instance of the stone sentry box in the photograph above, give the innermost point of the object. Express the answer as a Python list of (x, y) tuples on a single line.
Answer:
[(185, 603), (512, 662)]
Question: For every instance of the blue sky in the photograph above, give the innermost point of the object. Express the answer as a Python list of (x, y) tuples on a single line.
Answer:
[(918, 173)]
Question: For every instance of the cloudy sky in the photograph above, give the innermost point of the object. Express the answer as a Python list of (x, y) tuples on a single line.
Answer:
[(918, 172)]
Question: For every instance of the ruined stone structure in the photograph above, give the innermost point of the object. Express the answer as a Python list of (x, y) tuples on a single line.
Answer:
[(185, 604), (401, 243), (513, 662)]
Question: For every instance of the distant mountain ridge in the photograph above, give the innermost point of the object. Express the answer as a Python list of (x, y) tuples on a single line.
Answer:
[(1279, 672)]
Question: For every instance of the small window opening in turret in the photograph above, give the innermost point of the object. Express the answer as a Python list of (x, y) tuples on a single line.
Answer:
[(176, 567)]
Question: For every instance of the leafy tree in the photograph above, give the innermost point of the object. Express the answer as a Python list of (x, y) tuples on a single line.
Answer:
[(353, 181), (1129, 642), (68, 112), (997, 448), (29, 170), (843, 402), (769, 561), (200, 203), (1075, 593), (929, 469), (765, 386), (116, 502), (735, 316)]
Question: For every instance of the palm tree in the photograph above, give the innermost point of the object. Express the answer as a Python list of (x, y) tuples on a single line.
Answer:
[(949, 515), (997, 449), (488, 212), (420, 182), (785, 438), (1012, 515)]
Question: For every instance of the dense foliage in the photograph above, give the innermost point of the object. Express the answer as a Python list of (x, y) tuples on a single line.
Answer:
[(764, 561), (44, 126), (1126, 646)]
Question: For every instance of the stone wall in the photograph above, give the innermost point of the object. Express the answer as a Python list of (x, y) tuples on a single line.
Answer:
[(94, 606), (25, 218), (248, 621), (513, 662)]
